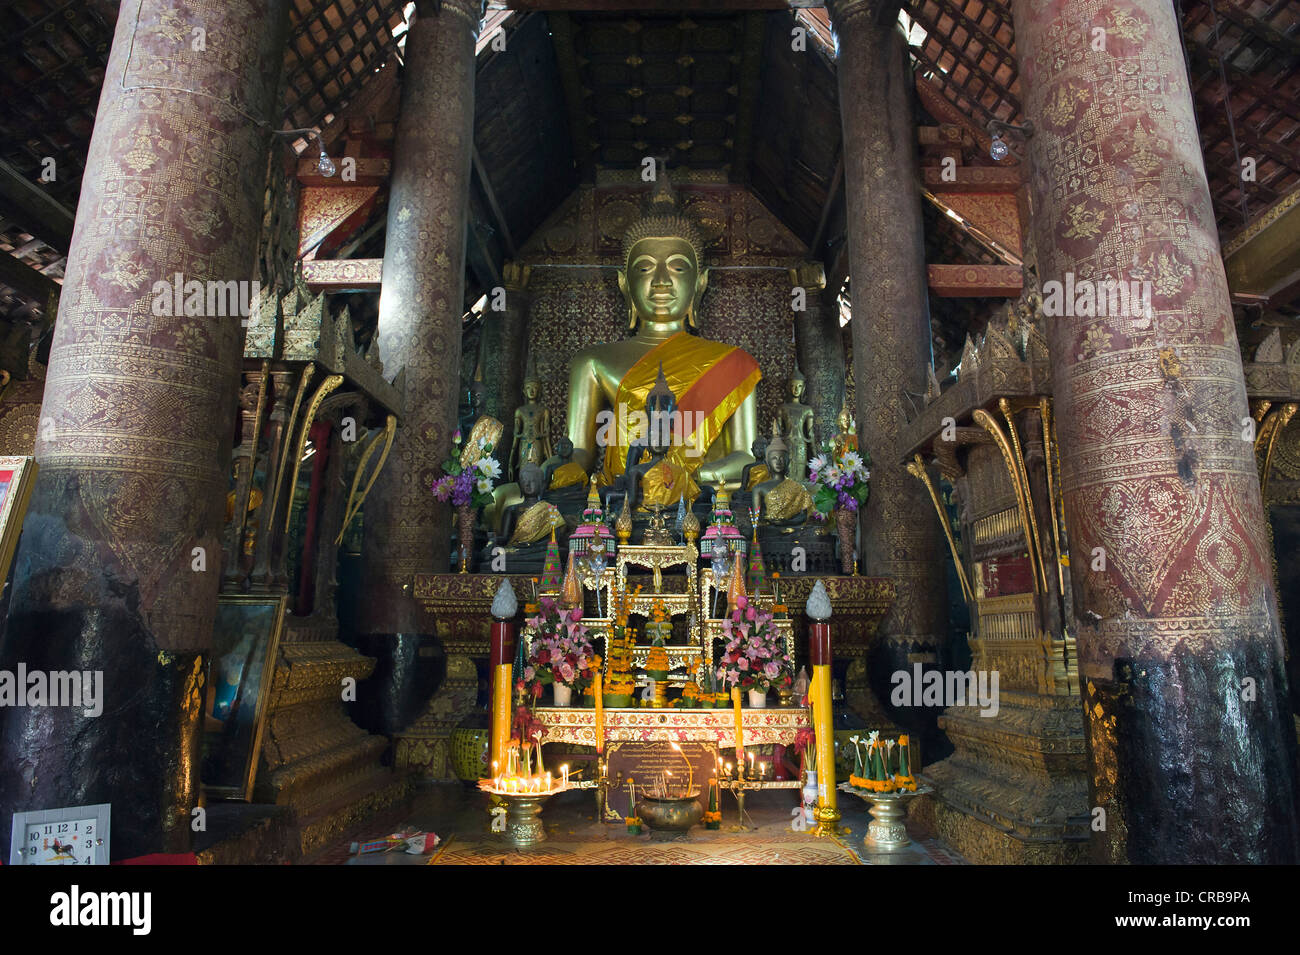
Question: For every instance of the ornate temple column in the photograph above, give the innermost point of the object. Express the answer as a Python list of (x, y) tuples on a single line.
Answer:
[(1192, 750), (406, 531), (505, 340), (891, 330), (120, 561), (817, 346)]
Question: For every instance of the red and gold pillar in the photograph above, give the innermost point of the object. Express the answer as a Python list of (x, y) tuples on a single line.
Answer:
[(890, 327), (120, 561), (407, 532), (1191, 744)]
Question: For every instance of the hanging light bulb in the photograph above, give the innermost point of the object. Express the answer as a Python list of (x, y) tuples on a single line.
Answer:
[(998, 147), (325, 166)]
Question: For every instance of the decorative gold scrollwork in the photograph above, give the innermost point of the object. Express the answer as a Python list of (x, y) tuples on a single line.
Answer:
[(355, 501), (916, 468), (989, 424), (326, 387)]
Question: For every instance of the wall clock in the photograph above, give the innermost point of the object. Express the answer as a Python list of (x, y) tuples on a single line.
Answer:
[(77, 835)]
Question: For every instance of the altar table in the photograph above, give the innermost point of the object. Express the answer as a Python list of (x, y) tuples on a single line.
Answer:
[(577, 725)]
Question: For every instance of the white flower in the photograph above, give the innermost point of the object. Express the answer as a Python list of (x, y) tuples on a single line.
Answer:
[(489, 466), (484, 484), (817, 463), (873, 736), (831, 475), (852, 461)]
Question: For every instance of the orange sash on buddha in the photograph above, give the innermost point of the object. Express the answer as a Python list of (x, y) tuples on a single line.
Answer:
[(711, 380)]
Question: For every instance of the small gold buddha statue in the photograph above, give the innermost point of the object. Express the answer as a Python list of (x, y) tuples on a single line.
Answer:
[(847, 437), (662, 280), (781, 500), (532, 519), (532, 440), (796, 425)]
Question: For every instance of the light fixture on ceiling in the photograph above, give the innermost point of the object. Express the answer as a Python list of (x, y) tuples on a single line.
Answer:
[(998, 147), (324, 165)]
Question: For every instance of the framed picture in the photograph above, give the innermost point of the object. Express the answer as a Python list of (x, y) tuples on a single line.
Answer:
[(240, 670), (77, 835), (17, 475)]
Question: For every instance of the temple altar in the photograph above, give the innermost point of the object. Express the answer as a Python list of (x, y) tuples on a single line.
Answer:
[(577, 725)]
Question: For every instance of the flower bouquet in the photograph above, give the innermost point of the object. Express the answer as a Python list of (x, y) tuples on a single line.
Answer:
[(839, 479), (559, 652), (755, 657), (467, 487), (805, 744)]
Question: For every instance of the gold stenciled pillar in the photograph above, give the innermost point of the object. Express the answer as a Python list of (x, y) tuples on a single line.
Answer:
[(505, 337), (120, 561), (818, 347), (891, 320), (421, 303), (1188, 721)]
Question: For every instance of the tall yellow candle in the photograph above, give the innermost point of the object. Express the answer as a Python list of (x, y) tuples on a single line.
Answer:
[(740, 728), (600, 714)]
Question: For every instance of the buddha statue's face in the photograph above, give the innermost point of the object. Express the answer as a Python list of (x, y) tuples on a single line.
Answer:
[(531, 390), (663, 280), (778, 462), (796, 388), (564, 448), (757, 449), (530, 480), (843, 421)]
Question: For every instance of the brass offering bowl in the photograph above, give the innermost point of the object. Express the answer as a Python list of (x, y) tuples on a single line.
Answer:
[(524, 818), (670, 814)]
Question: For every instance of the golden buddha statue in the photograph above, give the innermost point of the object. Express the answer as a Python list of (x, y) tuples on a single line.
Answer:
[(662, 280), (847, 437), (532, 440), (782, 500), (796, 425), (532, 520), (560, 468)]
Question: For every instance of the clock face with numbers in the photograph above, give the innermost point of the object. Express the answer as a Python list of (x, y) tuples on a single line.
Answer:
[(73, 836)]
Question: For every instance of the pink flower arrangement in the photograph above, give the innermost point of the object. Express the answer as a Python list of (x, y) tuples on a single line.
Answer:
[(755, 657), (559, 649)]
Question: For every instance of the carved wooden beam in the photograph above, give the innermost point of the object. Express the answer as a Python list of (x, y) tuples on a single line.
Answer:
[(1001, 179), (38, 212), (976, 281), (343, 275)]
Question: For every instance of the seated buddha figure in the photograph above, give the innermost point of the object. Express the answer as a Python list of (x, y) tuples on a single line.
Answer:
[(560, 468), (662, 280), (653, 479), (782, 501), (532, 519), (756, 473), (846, 439)]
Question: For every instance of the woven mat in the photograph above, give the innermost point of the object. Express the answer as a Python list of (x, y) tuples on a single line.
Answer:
[(710, 848)]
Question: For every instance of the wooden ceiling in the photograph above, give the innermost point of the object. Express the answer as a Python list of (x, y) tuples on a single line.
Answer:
[(717, 90)]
